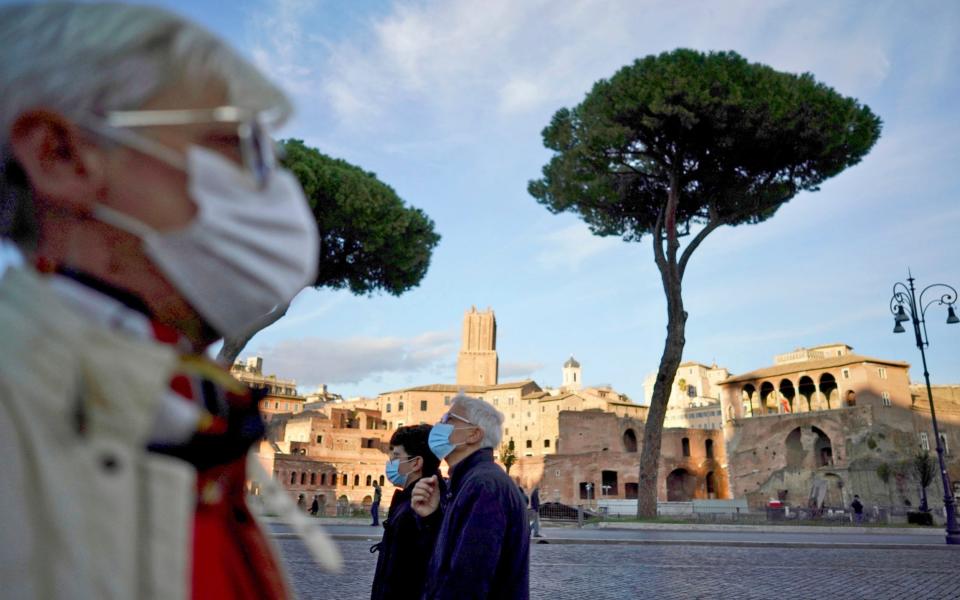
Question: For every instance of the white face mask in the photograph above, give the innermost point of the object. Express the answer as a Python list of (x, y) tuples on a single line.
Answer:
[(246, 251)]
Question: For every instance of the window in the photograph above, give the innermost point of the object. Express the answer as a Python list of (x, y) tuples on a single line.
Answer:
[(882, 372), (496, 401), (423, 405), (609, 483), (943, 442), (389, 407), (885, 397), (529, 443), (323, 479), (546, 443), (708, 446), (356, 480), (381, 480), (692, 391), (276, 406), (924, 441), (506, 431), (845, 373), (369, 480), (293, 476), (344, 479), (685, 446), (313, 479), (319, 439), (400, 407), (303, 478)]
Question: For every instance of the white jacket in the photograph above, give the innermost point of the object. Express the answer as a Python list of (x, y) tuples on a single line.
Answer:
[(85, 511)]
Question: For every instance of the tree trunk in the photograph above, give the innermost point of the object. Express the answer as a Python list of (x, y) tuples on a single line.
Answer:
[(672, 353), (232, 347)]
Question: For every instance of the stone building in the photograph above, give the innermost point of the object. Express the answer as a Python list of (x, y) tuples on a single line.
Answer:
[(281, 394), (599, 459), (694, 397), (477, 363), (824, 423), (334, 454)]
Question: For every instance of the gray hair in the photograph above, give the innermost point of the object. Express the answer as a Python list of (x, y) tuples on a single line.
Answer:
[(483, 415), (93, 58)]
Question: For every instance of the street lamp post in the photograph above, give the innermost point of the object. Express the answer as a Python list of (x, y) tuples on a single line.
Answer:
[(905, 300)]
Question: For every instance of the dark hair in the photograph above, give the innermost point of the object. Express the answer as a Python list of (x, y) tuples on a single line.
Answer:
[(413, 438)]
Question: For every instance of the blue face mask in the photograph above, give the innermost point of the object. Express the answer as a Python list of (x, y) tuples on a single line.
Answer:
[(393, 472), (439, 440)]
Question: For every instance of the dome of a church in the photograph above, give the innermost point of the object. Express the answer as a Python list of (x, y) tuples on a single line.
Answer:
[(571, 363)]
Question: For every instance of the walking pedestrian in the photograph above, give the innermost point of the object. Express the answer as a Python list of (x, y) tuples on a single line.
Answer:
[(483, 546), (535, 511), (375, 507), (857, 507), (406, 547)]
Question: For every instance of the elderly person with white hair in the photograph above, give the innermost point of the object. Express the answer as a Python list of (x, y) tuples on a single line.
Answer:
[(142, 217), (483, 547)]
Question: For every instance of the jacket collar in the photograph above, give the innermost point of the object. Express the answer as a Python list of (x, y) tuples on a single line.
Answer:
[(463, 467)]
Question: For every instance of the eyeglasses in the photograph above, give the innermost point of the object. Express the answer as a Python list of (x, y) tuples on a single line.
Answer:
[(259, 153), (447, 415)]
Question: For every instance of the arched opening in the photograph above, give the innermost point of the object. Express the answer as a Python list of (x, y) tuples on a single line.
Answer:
[(787, 394), (343, 506), (313, 479), (303, 478), (367, 502), (711, 485), (822, 448), (369, 480), (323, 479), (746, 396), (806, 389), (828, 388), (629, 441), (794, 447), (685, 446), (851, 398), (768, 399), (708, 448), (344, 479), (356, 480), (681, 486), (381, 480), (293, 477)]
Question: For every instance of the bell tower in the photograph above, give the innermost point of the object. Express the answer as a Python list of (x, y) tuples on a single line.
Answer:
[(477, 362), (572, 375)]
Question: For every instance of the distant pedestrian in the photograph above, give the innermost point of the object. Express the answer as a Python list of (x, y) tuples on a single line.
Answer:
[(315, 507), (375, 507), (857, 507), (301, 502), (483, 548), (406, 547), (535, 511)]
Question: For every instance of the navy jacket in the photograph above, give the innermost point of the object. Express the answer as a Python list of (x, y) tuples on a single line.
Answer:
[(405, 551), (535, 499), (483, 550)]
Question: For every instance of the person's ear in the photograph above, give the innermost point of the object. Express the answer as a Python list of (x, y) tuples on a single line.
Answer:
[(476, 436), (62, 168)]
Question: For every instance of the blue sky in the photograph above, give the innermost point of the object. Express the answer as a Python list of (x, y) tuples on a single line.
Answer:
[(445, 101)]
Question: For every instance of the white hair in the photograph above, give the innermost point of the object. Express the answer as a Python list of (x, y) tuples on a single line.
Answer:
[(483, 415), (93, 58)]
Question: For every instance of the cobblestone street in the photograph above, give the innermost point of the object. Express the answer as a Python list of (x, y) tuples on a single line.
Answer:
[(577, 571)]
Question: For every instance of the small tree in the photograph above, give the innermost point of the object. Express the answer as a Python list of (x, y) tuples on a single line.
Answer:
[(369, 239), (508, 455), (884, 472), (923, 468), (683, 143)]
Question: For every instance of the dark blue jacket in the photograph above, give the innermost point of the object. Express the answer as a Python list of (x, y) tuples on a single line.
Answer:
[(405, 551), (535, 499), (483, 550)]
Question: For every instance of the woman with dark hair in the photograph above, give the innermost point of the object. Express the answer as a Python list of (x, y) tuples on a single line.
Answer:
[(406, 546)]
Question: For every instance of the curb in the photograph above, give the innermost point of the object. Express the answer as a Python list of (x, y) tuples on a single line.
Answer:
[(771, 528), (349, 537)]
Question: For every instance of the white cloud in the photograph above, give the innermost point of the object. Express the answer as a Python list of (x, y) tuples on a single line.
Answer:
[(511, 369), (568, 248), (318, 360)]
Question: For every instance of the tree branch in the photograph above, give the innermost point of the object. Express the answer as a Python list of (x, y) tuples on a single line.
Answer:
[(714, 222), (232, 347), (658, 256)]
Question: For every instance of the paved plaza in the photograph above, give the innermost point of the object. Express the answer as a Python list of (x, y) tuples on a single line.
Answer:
[(615, 571)]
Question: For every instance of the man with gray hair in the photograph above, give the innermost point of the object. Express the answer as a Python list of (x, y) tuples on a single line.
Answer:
[(483, 547), (142, 217)]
